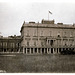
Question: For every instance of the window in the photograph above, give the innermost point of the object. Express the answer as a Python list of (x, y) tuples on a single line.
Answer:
[(34, 43), (27, 43), (35, 33), (42, 43), (41, 34), (4, 44), (71, 34), (65, 42), (50, 33), (27, 32), (64, 34), (12, 45), (0, 44)]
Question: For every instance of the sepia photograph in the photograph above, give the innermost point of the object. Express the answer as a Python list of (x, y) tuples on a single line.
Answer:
[(37, 36)]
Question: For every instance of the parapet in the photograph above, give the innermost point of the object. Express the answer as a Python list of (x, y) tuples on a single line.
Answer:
[(60, 23), (47, 21), (31, 22)]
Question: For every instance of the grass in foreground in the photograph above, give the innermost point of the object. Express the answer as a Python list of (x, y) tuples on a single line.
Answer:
[(38, 63)]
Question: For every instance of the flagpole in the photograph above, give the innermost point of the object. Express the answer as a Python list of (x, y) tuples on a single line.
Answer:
[(48, 15)]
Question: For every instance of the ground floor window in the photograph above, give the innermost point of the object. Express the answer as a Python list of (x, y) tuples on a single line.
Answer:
[(31, 50), (51, 50), (28, 50), (35, 50), (39, 50)]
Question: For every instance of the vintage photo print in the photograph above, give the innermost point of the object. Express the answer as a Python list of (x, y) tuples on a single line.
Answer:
[(37, 36)]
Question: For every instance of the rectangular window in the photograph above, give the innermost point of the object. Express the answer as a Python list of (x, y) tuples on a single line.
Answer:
[(27, 43), (34, 43), (65, 34), (27, 33), (71, 34), (12, 45), (4, 44), (35, 33), (50, 33), (42, 43), (41, 33)]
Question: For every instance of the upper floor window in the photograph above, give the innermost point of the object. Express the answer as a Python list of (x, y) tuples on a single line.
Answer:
[(27, 33), (12, 45), (50, 33), (27, 43), (4, 43), (35, 33), (64, 34), (42, 43), (41, 33), (71, 34), (34, 43)]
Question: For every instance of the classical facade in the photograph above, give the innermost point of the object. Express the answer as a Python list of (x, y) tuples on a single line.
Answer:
[(9, 44), (40, 38), (47, 37)]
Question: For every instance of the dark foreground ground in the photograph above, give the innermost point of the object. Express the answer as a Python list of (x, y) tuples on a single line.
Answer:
[(37, 63)]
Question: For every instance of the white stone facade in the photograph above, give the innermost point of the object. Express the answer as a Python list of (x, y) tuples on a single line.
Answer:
[(46, 38)]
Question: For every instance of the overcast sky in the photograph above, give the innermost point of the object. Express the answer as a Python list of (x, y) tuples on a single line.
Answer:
[(13, 14)]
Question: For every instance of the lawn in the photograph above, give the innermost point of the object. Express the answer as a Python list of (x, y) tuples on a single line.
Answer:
[(37, 63)]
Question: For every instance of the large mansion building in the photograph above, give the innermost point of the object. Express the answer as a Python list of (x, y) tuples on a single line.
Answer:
[(40, 38), (47, 37)]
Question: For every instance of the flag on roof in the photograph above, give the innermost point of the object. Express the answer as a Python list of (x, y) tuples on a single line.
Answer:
[(50, 12)]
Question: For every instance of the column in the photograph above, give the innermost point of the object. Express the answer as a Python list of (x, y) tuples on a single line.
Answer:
[(44, 50), (3, 50), (37, 50), (47, 51), (33, 51), (30, 50), (26, 50), (53, 51), (41, 50), (58, 51), (47, 42), (18, 50), (50, 50), (23, 50)]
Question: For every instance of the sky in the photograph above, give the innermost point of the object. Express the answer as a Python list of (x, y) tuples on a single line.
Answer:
[(14, 13)]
